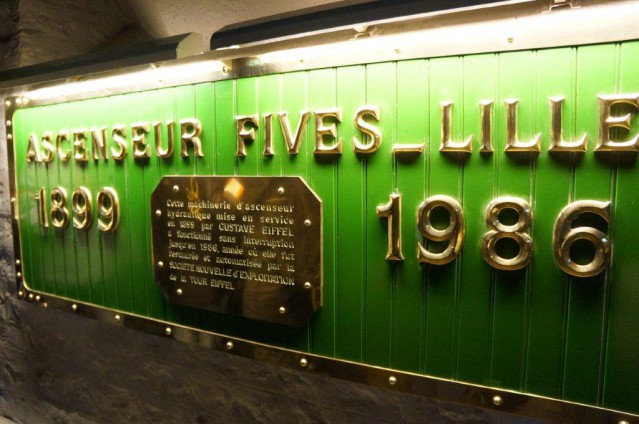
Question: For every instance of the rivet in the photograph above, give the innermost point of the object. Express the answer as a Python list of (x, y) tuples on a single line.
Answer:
[(497, 400), (158, 213), (307, 222), (25, 100), (160, 264), (117, 318), (18, 262), (179, 292), (45, 304), (30, 296), (307, 285), (19, 274), (9, 136), (7, 103), (13, 200), (392, 380), (303, 362), (8, 123), (176, 188), (20, 293), (18, 101), (229, 345), (74, 307), (510, 39), (37, 298), (282, 310), (280, 190), (168, 331)]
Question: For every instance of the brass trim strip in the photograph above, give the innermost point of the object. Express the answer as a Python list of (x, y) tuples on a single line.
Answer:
[(440, 389)]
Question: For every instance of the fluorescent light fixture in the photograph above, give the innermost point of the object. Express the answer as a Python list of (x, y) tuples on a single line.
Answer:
[(154, 75)]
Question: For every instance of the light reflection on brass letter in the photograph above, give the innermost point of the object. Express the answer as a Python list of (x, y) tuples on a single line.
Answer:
[(170, 138), (190, 130), (454, 233), (119, 137), (244, 134), (565, 236), (513, 144), (329, 131), (268, 137), (139, 130), (518, 232), (63, 137), (486, 135), (80, 152), (392, 211), (557, 142), (293, 142), (447, 144), (367, 129), (98, 142), (608, 122)]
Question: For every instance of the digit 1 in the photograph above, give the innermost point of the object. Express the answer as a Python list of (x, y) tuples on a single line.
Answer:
[(43, 214), (392, 212)]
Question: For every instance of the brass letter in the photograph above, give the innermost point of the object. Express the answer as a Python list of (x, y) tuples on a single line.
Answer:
[(370, 130), (80, 153), (170, 138), (139, 130), (119, 137), (63, 136), (243, 134), (192, 136), (322, 130), (98, 142), (448, 145), (557, 142), (33, 150), (48, 148), (268, 139), (607, 122), (513, 144), (486, 136), (293, 143)]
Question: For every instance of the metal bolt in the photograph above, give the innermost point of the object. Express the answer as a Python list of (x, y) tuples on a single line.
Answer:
[(497, 400), (158, 213), (7, 103), (280, 190), (229, 345), (176, 188), (18, 262), (282, 310), (20, 293), (37, 298), (303, 362), (117, 318), (225, 69), (510, 39), (168, 331), (392, 380), (307, 222), (25, 100), (307, 285), (160, 264), (9, 136), (74, 307), (18, 101), (30, 296), (19, 274), (179, 292)]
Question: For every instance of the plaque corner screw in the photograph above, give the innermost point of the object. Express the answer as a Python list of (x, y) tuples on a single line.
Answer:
[(179, 292), (392, 380), (280, 190), (282, 310), (303, 362), (497, 400), (307, 285), (229, 345), (9, 136), (176, 188), (158, 213), (74, 307), (168, 331), (307, 222)]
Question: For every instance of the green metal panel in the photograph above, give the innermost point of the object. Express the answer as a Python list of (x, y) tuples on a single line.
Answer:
[(535, 330)]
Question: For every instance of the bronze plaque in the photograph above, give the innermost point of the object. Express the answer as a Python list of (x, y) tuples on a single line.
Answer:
[(248, 246)]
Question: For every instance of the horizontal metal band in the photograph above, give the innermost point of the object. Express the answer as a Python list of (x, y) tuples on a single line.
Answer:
[(507, 401)]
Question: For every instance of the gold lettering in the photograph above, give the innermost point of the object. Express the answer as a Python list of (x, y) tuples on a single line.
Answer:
[(80, 153), (371, 131), (329, 131), (190, 130), (447, 144), (98, 143), (607, 122), (48, 148), (557, 142), (141, 150), (268, 140), (33, 150), (513, 144), (119, 137), (293, 142), (170, 138), (486, 136), (63, 136), (244, 134)]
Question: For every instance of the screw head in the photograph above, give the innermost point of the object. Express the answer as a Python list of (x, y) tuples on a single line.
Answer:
[(160, 264), (229, 345), (7, 103), (20, 293), (179, 292), (303, 362), (37, 298), (158, 213), (9, 136), (8, 123), (176, 188), (392, 380), (280, 190), (225, 69), (282, 310), (30, 296), (25, 100), (117, 317), (307, 222), (307, 285), (18, 101), (497, 400), (19, 274), (168, 331), (18, 262), (74, 307)]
